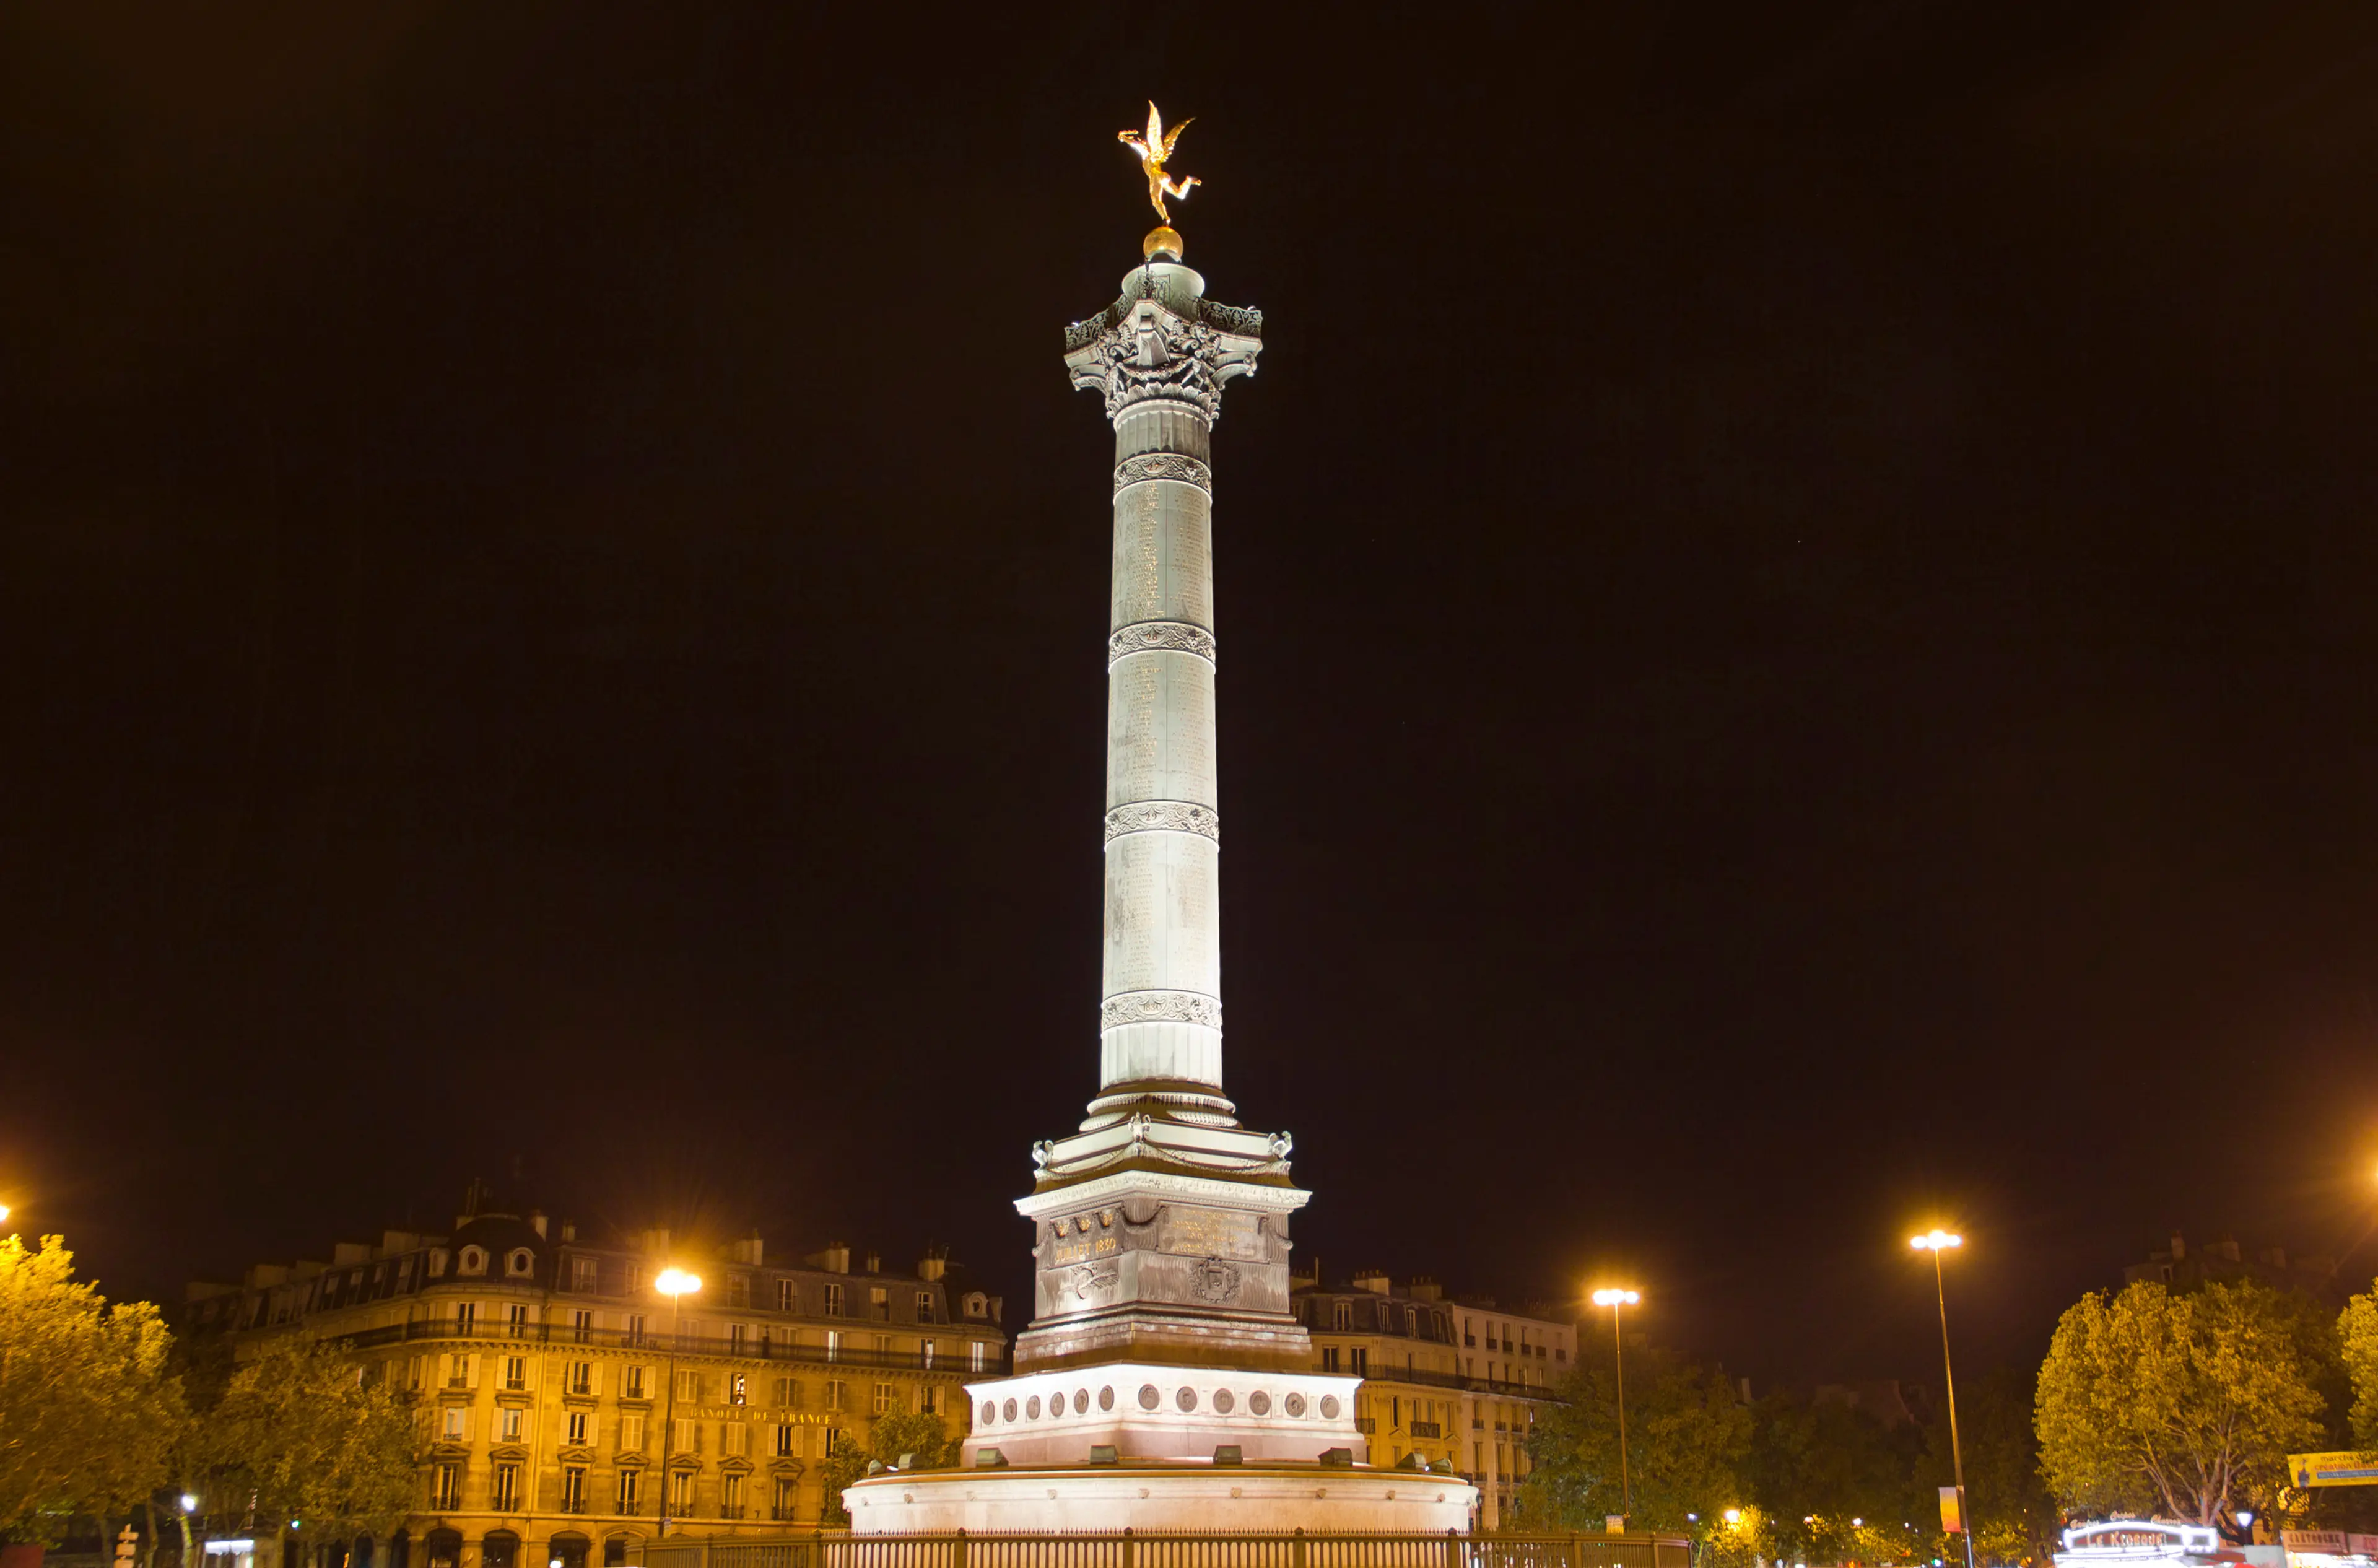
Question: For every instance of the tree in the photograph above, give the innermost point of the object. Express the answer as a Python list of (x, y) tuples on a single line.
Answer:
[(919, 1440), (89, 1408), (2185, 1405), (2357, 1330), (1832, 1482), (1686, 1436), (2013, 1519), (299, 1428)]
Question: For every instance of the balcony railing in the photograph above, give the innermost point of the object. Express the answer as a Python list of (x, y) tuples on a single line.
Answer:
[(1427, 1429), (955, 1360)]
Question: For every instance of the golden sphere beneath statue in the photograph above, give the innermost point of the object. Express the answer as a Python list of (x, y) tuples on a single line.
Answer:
[(1162, 244)]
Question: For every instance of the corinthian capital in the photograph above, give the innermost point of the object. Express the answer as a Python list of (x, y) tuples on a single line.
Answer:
[(1163, 339)]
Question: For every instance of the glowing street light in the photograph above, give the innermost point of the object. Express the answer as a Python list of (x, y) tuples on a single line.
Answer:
[(1937, 1242), (676, 1285), (189, 1502), (1614, 1300), (1734, 1516)]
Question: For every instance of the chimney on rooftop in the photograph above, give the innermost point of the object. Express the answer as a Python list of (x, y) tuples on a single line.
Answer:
[(1374, 1280), (2179, 1247), (933, 1264), (536, 1218), (874, 1263)]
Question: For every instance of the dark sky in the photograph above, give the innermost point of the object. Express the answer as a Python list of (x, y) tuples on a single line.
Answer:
[(1795, 585)]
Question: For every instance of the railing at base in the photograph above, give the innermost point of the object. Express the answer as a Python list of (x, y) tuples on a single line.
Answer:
[(1159, 1548)]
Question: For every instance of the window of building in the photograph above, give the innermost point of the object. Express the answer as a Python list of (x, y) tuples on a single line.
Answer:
[(977, 1355), (883, 1399), (509, 1424), (883, 1348), (632, 1433), (838, 1396), (736, 1334), (789, 1297), (739, 1289), (574, 1428), (632, 1383), (573, 1490), (454, 1423), (787, 1441), (834, 1344), (582, 1377), (1360, 1359), (879, 1303), (680, 1492), (789, 1393), (521, 1264), (836, 1440), (1329, 1357), (635, 1328), (585, 1275), (515, 1372), (929, 1400), (474, 1260), (628, 1487), (927, 1353), (924, 1306), (504, 1499), (787, 1493), (581, 1326), (734, 1439), (834, 1300), (446, 1489), (467, 1316), (977, 1305), (1341, 1317), (683, 1437), (730, 1495), (735, 1385), (689, 1384), (416, 1370), (1412, 1322)]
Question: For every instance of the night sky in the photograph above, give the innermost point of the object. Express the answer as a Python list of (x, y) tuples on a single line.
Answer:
[(1795, 594)]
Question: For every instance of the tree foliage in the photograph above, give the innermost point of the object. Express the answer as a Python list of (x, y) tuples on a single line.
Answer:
[(89, 1409), (299, 1428), (2357, 1331), (1686, 1436), (2179, 1404), (2013, 1518), (921, 1438), (1832, 1482)]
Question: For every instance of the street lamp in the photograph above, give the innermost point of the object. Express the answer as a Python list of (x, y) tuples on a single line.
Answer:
[(1935, 1242), (1614, 1299), (676, 1285)]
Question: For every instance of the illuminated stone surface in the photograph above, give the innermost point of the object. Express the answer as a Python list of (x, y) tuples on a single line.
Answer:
[(1162, 1323)]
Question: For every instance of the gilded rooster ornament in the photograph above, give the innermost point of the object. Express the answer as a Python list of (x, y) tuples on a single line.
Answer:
[(1154, 146)]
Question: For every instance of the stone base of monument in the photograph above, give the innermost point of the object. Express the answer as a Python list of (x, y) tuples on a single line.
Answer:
[(1206, 1498)]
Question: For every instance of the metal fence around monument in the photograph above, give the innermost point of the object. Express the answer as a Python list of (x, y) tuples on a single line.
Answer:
[(1161, 1548)]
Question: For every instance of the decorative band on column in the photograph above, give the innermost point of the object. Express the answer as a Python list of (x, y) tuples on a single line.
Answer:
[(1163, 465), (1164, 817), (1161, 1007), (1149, 636)]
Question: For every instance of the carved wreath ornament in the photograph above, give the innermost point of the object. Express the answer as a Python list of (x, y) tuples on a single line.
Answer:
[(1163, 465), (1161, 1007), (1147, 637), (1164, 816)]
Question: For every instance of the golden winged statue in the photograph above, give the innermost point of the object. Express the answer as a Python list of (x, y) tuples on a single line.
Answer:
[(1154, 148)]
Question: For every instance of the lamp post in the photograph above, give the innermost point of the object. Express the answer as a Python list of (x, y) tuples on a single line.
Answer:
[(1614, 1299), (676, 1285), (1937, 1242)]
